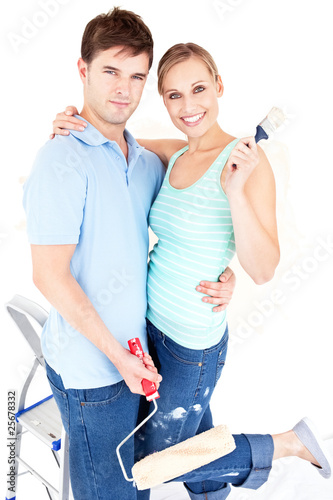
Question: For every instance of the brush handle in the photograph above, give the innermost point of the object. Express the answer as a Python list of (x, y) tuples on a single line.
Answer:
[(149, 388), (260, 134)]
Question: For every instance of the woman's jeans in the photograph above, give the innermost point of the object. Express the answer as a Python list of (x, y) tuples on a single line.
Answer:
[(96, 420), (189, 378)]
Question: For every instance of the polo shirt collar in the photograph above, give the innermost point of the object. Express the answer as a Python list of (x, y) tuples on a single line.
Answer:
[(92, 137)]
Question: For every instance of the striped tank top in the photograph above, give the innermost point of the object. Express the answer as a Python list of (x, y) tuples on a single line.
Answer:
[(195, 243)]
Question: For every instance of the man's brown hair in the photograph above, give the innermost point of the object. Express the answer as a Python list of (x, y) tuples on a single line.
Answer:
[(117, 28)]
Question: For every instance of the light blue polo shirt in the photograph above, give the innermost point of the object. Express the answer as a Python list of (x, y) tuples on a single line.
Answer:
[(82, 191)]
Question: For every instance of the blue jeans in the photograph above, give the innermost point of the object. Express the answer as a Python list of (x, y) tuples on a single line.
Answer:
[(96, 420), (189, 378)]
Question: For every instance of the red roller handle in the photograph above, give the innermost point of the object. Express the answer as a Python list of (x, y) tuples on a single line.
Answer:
[(149, 388)]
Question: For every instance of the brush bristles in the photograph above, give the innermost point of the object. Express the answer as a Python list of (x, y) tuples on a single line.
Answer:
[(183, 457), (273, 120)]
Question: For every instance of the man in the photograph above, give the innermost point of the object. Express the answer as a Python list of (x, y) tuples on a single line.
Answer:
[(87, 202)]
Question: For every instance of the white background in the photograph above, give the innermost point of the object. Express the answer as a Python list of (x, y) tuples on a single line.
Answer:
[(270, 53)]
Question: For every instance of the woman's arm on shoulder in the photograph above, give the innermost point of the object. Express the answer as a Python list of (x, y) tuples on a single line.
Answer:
[(163, 148)]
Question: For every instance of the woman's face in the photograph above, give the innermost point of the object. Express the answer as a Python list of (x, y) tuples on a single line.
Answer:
[(190, 95)]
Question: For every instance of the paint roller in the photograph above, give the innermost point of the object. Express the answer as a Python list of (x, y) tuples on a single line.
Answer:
[(179, 459)]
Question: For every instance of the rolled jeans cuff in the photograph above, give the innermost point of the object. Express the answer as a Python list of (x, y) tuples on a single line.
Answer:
[(219, 494), (262, 449)]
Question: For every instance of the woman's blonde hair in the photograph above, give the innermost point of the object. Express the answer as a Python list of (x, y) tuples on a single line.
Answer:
[(182, 52)]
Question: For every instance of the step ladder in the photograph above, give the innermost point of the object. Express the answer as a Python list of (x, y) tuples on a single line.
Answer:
[(41, 419)]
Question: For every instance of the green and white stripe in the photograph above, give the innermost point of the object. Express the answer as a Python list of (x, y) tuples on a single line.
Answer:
[(195, 243)]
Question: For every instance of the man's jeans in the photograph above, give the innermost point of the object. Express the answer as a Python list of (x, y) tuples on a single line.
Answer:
[(96, 420)]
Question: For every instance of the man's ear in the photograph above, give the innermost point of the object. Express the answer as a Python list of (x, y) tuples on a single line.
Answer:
[(83, 68), (219, 86)]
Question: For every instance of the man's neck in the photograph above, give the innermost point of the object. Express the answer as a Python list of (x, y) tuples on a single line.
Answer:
[(110, 131)]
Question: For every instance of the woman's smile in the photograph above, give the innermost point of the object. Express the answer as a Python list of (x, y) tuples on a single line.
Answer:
[(193, 120)]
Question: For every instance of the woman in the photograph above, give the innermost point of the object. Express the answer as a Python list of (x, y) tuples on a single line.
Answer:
[(218, 196)]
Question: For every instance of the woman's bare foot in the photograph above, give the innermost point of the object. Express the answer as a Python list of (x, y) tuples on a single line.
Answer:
[(288, 444)]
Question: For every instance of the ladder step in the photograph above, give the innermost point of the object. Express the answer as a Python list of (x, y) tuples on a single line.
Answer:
[(43, 421)]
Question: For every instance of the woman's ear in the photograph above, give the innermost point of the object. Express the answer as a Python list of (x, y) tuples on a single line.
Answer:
[(219, 86)]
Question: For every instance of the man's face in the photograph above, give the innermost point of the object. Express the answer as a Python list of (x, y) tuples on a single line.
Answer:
[(113, 84)]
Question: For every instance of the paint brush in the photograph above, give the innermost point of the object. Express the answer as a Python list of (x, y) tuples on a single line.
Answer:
[(269, 124)]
